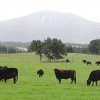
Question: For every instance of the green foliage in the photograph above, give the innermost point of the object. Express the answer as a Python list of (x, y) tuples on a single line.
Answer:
[(7, 49), (54, 49), (51, 48), (69, 49), (30, 87), (83, 50), (94, 46), (36, 46), (4, 50)]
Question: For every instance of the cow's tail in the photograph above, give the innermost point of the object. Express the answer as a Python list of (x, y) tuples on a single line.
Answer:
[(75, 76)]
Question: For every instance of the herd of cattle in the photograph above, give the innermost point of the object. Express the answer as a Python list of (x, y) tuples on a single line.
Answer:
[(94, 75), (89, 62), (8, 73), (85, 61), (65, 74)]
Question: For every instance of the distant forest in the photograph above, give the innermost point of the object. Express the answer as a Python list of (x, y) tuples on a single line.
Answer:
[(27, 44), (15, 44), (92, 48), (76, 44), (10, 47)]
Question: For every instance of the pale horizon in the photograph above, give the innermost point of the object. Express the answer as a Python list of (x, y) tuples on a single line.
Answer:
[(88, 9)]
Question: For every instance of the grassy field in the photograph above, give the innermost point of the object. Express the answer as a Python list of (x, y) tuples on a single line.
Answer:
[(30, 87)]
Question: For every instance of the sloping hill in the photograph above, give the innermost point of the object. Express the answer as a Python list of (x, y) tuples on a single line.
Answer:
[(65, 26)]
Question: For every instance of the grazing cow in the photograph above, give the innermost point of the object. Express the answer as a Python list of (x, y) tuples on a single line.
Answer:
[(8, 73), (97, 62), (88, 62), (84, 61), (40, 72), (67, 60), (9, 76), (93, 77), (65, 74)]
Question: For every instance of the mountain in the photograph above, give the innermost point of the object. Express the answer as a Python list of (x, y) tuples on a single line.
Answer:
[(15, 44), (67, 27)]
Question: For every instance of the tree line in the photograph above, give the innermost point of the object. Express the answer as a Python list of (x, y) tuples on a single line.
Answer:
[(11, 47), (7, 50), (54, 48), (92, 48)]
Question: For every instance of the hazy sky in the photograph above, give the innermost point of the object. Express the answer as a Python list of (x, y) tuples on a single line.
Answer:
[(89, 9)]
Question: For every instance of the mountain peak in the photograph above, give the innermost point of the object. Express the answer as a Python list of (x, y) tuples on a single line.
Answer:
[(67, 27)]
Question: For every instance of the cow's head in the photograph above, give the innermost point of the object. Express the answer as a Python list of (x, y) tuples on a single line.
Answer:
[(88, 82), (56, 70)]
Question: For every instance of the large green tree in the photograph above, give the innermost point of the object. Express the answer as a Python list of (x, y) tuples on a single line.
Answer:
[(54, 49), (94, 46), (51, 48)]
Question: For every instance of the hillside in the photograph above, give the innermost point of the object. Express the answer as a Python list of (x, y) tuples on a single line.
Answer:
[(65, 26), (15, 44)]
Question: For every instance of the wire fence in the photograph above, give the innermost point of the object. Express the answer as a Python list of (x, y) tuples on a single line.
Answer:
[(81, 57), (31, 57)]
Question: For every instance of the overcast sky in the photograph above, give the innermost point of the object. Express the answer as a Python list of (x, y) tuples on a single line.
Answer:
[(89, 9)]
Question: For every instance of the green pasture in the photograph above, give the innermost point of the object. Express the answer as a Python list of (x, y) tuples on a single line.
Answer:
[(30, 87)]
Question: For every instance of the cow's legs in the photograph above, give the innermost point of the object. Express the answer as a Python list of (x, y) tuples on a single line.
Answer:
[(39, 75), (92, 83), (59, 80), (75, 80), (5, 80), (71, 81), (14, 79), (96, 83)]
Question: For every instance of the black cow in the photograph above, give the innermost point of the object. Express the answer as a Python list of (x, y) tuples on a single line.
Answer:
[(8, 73), (97, 62), (88, 62), (9, 76), (40, 72), (65, 74), (93, 77), (84, 61), (67, 60)]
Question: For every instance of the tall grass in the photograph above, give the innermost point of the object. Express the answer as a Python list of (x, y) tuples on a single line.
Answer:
[(30, 87)]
